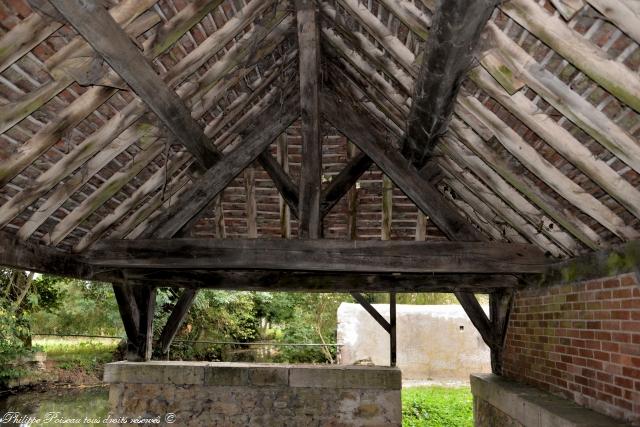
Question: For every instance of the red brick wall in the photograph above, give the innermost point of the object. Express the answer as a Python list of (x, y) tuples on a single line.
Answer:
[(580, 341)]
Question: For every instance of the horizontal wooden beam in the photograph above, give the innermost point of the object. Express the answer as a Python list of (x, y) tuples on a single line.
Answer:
[(22, 255), (323, 255)]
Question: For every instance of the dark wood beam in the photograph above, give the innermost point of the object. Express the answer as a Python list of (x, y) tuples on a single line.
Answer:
[(145, 297), (372, 311), (500, 303), (274, 120), (448, 56), (272, 281), (107, 38), (346, 179), (310, 222), (18, 254), (476, 314), (319, 255), (176, 318), (372, 141), (130, 317), (281, 179)]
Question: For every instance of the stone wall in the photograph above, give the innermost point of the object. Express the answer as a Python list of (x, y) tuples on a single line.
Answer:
[(580, 341), (498, 401), (236, 394), (434, 341)]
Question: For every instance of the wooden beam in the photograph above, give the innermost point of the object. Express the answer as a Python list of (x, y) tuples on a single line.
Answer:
[(352, 201), (281, 179), (546, 171), (251, 209), (319, 255), (371, 141), (176, 318), (282, 151), (362, 300), (344, 181), (448, 57), (500, 303), (145, 297), (387, 208), (274, 120), (310, 222), (614, 76), (95, 24), (17, 254), (476, 314), (129, 314)]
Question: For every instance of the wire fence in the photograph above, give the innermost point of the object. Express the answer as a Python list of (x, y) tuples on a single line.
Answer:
[(255, 343)]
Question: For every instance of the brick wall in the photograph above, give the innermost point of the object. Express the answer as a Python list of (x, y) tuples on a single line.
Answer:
[(580, 341)]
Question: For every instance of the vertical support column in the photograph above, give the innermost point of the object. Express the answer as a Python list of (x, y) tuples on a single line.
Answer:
[(392, 329), (136, 305), (499, 309), (251, 206), (311, 175), (387, 207), (285, 212)]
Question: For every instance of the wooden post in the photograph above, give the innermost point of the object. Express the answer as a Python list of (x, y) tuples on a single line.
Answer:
[(392, 329), (176, 319), (136, 305)]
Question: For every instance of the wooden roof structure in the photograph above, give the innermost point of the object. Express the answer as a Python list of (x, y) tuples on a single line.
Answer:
[(271, 144)]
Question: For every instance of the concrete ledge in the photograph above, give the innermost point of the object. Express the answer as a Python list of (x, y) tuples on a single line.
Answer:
[(252, 374), (535, 408)]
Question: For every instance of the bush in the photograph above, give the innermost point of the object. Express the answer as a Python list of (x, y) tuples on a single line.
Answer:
[(13, 329), (437, 407)]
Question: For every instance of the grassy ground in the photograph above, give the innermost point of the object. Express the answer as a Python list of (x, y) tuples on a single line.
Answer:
[(437, 407), (76, 361)]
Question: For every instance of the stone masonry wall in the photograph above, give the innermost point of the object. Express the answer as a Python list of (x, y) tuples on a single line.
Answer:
[(234, 394), (580, 341)]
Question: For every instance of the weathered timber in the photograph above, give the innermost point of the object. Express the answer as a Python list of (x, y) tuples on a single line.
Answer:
[(371, 141), (352, 201), (614, 76), (282, 152), (567, 219), (387, 208), (448, 56), (393, 335), (196, 198), (281, 179), (95, 24), (310, 222), (129, 315), (250, 208), (546, 171), (321, 255), (500, 303), (476, 314), (17, 254), (372, 311), (176, 318), (343, 182), (145, 297)]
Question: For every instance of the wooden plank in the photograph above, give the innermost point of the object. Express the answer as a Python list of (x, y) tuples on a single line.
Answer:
[(194, 200), (490, 196), (282, 152), (512, 60), (625, 14), (281, 179), (310, 222), (562, 141), (614, 76), (460, 155), (250, 204), (476, 314), (94, 23), (176, 318), (362, 300), (500, 303), (387, 208), (415, 19), (537, 164), (319, 255), (403, 174), (447, 59), (393, 341), (570, 222), (568, 8), (101, 195)]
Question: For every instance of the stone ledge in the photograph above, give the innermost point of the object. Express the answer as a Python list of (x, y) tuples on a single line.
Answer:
[(535, 408), (254, 374)]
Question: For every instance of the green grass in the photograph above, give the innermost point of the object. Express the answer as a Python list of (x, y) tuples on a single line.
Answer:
[(437, 407), (78, 354)]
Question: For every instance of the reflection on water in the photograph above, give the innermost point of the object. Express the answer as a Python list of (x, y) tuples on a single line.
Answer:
[(78, 407)]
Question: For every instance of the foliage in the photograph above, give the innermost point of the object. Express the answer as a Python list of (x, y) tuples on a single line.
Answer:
[(78, 307), (437, 407), (12, 345), (78, 353)]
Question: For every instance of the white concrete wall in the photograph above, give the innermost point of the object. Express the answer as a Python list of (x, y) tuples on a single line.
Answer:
[(431, 345)]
